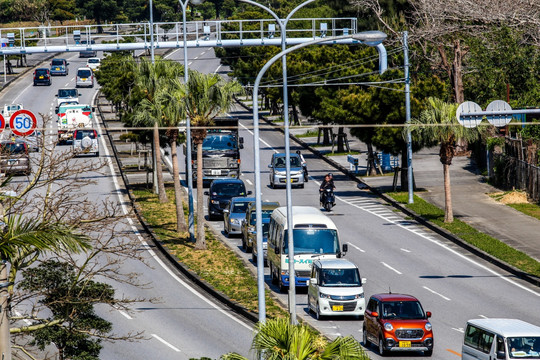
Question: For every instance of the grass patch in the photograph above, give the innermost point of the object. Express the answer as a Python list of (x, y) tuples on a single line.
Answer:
[(532, 210), (309, 133), (218, 265), (343, 153), (482, 241)]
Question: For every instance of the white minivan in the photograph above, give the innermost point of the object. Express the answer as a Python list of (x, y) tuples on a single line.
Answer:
[(335, 288), (488, 339), (315, 237)]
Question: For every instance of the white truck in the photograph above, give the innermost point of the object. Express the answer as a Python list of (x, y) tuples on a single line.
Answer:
[(72, 117)]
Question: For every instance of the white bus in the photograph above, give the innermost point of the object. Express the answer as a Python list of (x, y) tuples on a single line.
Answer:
[(315, 237), (487, 339)]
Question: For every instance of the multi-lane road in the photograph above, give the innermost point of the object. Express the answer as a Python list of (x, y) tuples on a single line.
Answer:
[(393, 253)]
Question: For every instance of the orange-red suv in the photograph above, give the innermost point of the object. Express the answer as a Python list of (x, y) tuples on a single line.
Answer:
[(396, 322)]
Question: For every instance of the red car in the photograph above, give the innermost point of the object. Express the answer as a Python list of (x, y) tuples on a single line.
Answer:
[(396, 322)]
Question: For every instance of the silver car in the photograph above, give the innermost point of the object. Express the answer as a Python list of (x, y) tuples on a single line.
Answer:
[(277, 171), (85, 77), (235, 214)]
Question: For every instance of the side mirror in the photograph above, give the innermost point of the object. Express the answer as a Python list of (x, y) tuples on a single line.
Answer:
[(93, 109), (501, 355), (428, 314), (226, 211), (250, 192), (276, 250), (375, 314), (270, 166), (56, 111), (241, 140), (364, 280), (56, 95), (79, 94), (206, 193), (241, 146)]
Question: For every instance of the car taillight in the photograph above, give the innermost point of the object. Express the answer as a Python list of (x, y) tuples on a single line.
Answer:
[(95, 134)]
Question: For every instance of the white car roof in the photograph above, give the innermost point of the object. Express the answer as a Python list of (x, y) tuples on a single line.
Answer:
[(507, 327), (305, 215), (335, 264)]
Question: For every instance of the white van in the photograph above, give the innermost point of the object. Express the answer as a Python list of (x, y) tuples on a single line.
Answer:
[(315, 237), (501, 339)]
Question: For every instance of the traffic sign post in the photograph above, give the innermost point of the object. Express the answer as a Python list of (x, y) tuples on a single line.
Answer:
[(2, 123), (23, 123)]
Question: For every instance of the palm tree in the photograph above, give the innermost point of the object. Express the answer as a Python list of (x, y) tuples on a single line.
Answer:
[(277, 339), (150, 78), (438, 123), (205, 96), (29, 236)]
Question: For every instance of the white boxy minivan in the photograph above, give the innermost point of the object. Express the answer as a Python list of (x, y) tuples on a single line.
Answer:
[(315, 237), (488, 339), (335, 289)]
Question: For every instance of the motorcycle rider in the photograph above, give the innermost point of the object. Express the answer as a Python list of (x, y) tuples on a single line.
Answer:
[(304, 165), (328, 183)]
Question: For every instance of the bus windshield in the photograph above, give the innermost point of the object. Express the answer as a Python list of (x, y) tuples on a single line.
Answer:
[(313, 241)]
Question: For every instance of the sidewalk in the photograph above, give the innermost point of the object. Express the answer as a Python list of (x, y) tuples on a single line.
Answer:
[(470, 199)]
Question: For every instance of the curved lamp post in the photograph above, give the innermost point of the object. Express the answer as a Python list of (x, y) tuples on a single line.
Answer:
[(370, 38), (283, 29), (189, 173)]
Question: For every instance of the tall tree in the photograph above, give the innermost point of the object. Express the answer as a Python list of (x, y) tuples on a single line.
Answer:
[(277, 339), (438, 123), (205, 97)]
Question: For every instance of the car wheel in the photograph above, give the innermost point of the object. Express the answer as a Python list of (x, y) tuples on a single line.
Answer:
[(272, 275), (301, 186), (225, 230), (282, 288), (364, 338), (244, 245), (318, 313), (382, 350), (35, 84), (254, 258), (249, 249), (428, 352), (310, 310)]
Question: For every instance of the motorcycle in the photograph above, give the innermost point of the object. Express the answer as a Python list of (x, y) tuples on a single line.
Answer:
[(328, 199)]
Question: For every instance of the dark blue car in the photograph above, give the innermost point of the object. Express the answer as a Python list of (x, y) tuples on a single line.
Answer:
[(221, 192), (59, 67)]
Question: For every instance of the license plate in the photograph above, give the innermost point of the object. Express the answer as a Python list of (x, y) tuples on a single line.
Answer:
[(57, 68), (337, 307), (41, 77), (405, 344), (84, 79), (216, 172)]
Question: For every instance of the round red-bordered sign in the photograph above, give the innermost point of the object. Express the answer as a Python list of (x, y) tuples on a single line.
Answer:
[(23, 123), (2, 123)]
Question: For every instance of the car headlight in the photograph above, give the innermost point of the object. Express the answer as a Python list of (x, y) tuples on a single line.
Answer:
[(359, 296), (215, 202), (324, 296), (388, 327), (428, 326), (236, 221)]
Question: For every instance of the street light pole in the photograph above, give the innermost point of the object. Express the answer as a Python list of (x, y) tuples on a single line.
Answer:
[(189, 171), (371, 38), (288, 187), (408, 118), (156, 157)]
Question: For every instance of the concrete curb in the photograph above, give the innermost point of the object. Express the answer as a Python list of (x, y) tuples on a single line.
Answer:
[(192, 276), (440, 231)]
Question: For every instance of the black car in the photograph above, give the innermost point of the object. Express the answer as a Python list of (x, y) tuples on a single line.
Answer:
[(42, 76), (221, 192)]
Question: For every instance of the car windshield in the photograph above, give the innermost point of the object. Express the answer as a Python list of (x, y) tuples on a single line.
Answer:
[(57, 62), (93, 61), (12, 148), (81, 134), (41, 72), (67, 93), (218, 142), (340, 278), (240, 207), (402, 310), (265, 214), (313, 241), (84, 73), (279, 162), (229, 189), (14, 107), (527, 347)]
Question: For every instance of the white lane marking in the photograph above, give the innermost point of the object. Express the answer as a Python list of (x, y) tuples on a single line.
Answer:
[(408, 251), (391, 268), (461, 330), (406, 224), (68, 82), (189, 64), (261, 140), (145, 244), (436, 293), (166, 343), (483, 316), (125, 314), (249, 182), (356, 247), (217, 69), (196, 57), (171, 53), (204, 52)]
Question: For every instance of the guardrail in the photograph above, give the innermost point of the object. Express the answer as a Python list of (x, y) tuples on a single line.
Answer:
[(136, 36)]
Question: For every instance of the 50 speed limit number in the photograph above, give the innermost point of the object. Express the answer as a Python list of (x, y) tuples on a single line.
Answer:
[(23, 123)]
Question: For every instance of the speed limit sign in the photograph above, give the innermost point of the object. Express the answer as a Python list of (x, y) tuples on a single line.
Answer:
[(23, 123), (2, 123)]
